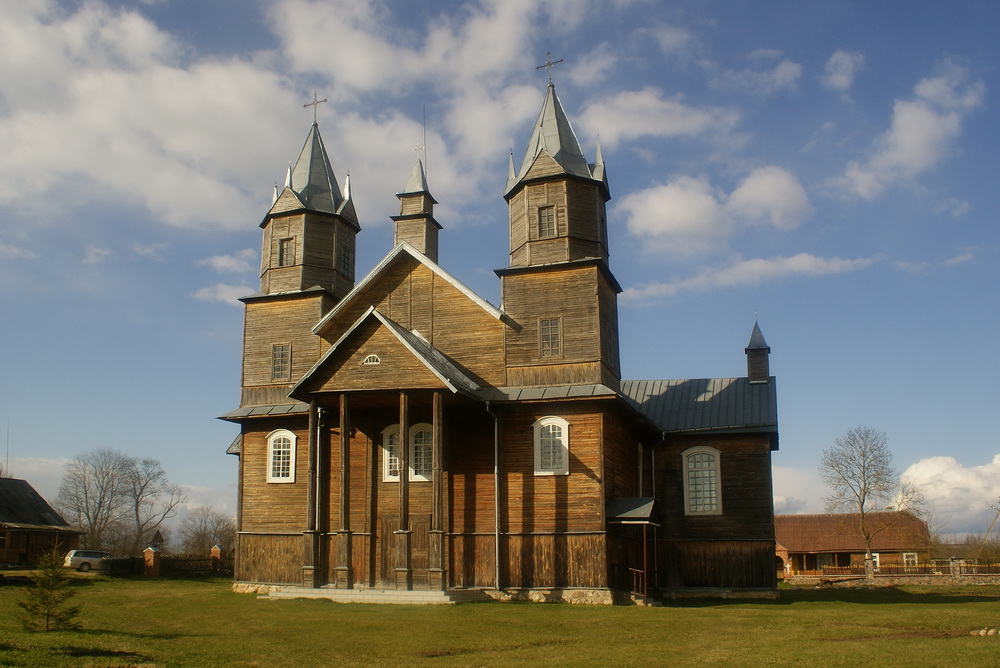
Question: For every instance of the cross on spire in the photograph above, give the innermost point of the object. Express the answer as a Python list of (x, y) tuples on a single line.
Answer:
[(549, 64), (315, 103)]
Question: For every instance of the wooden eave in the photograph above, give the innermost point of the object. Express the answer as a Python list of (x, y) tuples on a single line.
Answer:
[(539, 268), (244, 413), (416, 216), (561, 176), (433, 359), (304, 209), (405, 248), (291, 294)]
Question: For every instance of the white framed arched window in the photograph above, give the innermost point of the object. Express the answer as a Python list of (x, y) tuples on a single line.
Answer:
[(551, 446), (702, 481), (281, 456), (421, 452)]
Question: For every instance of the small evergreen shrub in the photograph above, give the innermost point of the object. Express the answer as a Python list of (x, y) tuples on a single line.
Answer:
[(44, 604)]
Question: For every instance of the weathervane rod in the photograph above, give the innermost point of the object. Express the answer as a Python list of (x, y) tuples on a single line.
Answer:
[(315, 103), (549, 64)]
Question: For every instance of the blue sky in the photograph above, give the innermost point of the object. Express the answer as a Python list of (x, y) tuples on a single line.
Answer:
[(829, 166)]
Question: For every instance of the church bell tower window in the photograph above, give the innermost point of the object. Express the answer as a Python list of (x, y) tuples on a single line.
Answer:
[(546, 221), (286, 252)]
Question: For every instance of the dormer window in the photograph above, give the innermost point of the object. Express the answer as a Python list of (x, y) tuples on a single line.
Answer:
[(372, 359), (546, 221)]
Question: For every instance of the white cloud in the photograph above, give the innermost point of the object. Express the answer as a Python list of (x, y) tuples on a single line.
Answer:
[(687, 216), (95, 255), (15, 252), (762, 80), (240, 262), (841, 68), (922, 133), (960, 259), (771, 194), (221, 292), (672, 39), (797, 491), (683, 216), (960, 495), (748, 272), (634, 114)]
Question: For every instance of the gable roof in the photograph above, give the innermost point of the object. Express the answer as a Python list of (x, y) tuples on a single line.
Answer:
[(705, 404), (839, 532), (402, 249), (432, 358), (21, 507)]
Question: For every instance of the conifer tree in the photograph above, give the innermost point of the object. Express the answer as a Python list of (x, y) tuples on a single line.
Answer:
[(44, 604)]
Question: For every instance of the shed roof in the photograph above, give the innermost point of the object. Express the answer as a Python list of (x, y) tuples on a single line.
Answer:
[(839, 532), (21, 507), (705, 404)]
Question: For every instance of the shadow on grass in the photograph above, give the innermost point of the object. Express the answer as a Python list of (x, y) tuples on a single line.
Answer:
[(868, 595)]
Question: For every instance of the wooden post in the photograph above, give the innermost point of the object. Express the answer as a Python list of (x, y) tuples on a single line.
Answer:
[(437, 572), (404, 571), (311, 543), (345, 574)]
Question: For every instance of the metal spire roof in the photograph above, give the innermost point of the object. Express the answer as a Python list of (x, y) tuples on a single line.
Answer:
[(418, 180), (312, 177), (555, 135), (757, 341)]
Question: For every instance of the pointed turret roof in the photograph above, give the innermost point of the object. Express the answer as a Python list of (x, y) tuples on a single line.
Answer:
[(418, 180), (554, 134), (312, 177), (757, 341)]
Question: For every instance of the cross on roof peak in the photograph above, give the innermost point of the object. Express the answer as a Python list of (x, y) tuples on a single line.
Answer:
[(315, 103), (549, 64)]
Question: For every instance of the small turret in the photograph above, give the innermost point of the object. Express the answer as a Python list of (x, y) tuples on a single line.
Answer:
[(415, 223), (758, 352)]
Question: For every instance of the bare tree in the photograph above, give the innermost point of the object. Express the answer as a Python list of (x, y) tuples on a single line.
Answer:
[(858, 470), (116, 500), (93, 493), (204, 527), (151, 500)]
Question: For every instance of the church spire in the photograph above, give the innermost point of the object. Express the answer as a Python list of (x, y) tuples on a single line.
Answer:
[(415, 223), (758, 352), (312, 177), (554, 135)]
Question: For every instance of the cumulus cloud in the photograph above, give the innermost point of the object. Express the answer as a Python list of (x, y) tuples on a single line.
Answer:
[(688, 216), (16, 252), (960, 495), (762, 78), (841, 68), (773, 195), (748, 272), (95, 255), (221, 292), (648, 113), (240, 262), (922, 133), (797, 491)]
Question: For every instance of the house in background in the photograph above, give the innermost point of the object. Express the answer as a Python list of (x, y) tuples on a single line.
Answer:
[(812, 542), (29, 527), (403, 433)]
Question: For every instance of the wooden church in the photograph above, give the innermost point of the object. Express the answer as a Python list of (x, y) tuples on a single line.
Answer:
[(400, 432)]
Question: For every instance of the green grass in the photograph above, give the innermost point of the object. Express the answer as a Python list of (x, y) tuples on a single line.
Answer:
[(133, 622)]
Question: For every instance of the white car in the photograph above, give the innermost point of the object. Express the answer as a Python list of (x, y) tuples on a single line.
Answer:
[(84, 560)]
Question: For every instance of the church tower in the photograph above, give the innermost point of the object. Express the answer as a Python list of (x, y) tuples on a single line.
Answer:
[(307, 266), (558, 286), (415, 223)]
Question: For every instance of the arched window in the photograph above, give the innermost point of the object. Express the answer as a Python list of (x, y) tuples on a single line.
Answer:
[(281, 456), (421, 452), (372, 359), (551, 446), (702, 481)]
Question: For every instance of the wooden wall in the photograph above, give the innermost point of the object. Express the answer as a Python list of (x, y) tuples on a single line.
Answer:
[(273, 507), (274, 559), (719, 564), (282, 320)]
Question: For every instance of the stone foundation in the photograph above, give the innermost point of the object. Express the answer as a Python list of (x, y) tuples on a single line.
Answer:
[(582, 596)]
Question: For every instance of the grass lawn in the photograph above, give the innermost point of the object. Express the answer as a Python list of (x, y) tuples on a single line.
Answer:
[(133, 622)]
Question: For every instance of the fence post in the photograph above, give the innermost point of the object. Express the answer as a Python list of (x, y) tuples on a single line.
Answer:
[(218, 556), (151, 562)]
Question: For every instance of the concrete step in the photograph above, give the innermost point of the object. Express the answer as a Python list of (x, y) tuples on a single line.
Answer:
[(381, 596)]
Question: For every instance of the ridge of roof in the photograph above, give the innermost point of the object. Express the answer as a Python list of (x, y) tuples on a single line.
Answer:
[(401, 248)]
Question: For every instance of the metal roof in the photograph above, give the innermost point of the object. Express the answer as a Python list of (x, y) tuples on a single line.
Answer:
[(757, 341), (626, 510), (21, 507), (553, 134), (417, 182), (704, 404), (292, 408), (546, 393)]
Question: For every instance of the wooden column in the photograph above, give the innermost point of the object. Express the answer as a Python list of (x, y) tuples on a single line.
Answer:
[(345, 574), (311, 546), (437, 573), (404, 568)]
